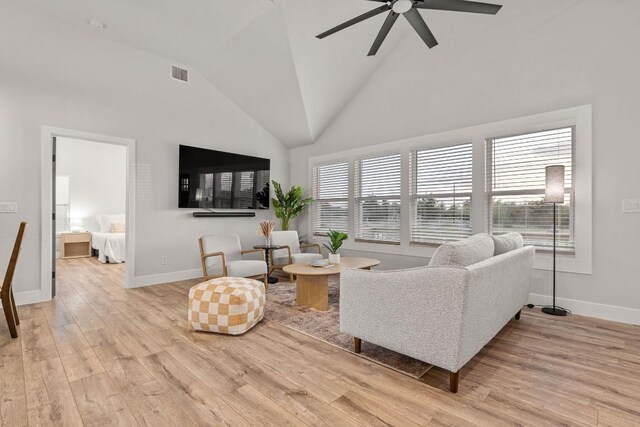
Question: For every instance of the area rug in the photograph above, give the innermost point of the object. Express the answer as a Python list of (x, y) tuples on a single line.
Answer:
[(325, 325)]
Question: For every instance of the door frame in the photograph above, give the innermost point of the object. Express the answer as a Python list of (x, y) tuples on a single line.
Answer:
[(47, 189)]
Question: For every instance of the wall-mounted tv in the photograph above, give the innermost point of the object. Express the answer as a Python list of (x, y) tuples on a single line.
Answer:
[(212, 179)]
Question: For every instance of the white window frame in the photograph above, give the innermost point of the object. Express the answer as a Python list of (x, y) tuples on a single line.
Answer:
[(581, 117), (358, 198), (314, 194), (490, 193), (413, 169)]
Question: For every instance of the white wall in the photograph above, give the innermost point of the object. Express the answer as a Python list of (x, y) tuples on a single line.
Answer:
[(51, 74), (557, 56), (97, 178)]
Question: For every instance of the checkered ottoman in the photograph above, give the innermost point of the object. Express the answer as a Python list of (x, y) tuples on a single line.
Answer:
[(227, 305)]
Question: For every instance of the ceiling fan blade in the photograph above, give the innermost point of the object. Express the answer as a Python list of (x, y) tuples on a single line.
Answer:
[(418, 24), (355, 20), (459, 6), (384, 31)]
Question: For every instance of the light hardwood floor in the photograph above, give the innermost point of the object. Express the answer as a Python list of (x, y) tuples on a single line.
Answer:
[(102, 355)]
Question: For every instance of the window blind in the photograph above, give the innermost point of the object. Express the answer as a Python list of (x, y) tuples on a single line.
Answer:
[(63, 204), (441, 187), (516, 186), (378, 191), (63, 218), (331, 193)]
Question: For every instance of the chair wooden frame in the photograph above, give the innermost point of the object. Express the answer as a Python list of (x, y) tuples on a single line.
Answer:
[(205, 273), (6, 293), (303, 246)]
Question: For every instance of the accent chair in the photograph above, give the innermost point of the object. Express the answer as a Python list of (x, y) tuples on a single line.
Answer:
[(292, 253), (222, 256)]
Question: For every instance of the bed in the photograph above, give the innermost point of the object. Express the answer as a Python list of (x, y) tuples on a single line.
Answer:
[(109, 242)]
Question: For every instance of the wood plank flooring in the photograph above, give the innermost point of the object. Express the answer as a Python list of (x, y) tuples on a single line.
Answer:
[(102, 355)]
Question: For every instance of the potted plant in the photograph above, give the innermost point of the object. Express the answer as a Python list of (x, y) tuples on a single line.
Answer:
[(336, 238), (288, 205)]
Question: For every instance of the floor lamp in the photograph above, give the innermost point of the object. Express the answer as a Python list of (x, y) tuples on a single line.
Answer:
[(554, 193)]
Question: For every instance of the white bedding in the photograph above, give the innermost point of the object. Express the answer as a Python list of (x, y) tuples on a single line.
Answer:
[(110, 246)]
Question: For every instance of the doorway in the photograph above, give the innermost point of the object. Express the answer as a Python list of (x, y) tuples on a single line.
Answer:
[(88, 207)]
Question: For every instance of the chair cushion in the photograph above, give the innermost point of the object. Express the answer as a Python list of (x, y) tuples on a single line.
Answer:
[(464, 252), (246, 268), (227, 305), (507, 242), (304, 258), (285, 238)]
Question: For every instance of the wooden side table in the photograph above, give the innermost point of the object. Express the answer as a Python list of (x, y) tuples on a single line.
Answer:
[(75, 245)]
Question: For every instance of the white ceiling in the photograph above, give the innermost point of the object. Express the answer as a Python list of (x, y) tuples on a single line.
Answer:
[(262, 54)]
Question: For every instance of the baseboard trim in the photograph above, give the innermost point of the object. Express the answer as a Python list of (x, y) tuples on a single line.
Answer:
[(591, 309), (158, 279), (30, 297)]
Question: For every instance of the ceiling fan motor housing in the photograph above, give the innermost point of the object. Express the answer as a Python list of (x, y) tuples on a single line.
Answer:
[(402, 6)]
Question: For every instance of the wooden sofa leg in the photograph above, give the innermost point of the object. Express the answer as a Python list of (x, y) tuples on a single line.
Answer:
[(357, 345), (454, 378), (518, 314)]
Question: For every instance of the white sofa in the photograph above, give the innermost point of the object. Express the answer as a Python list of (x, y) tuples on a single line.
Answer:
[(442, 314)]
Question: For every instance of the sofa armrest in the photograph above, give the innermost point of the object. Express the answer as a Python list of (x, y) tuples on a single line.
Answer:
[(417, 312)]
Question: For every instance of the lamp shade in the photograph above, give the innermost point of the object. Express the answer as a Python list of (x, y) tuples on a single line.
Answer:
[(554, 190)]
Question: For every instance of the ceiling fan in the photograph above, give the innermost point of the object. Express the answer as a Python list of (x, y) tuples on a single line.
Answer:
[(409, 8)]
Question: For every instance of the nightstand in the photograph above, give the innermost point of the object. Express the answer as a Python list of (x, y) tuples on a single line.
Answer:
[(75, 245)]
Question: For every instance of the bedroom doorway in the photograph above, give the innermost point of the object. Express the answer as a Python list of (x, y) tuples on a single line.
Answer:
[(88, 222)]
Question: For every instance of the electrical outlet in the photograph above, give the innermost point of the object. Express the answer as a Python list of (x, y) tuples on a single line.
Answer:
[(8, 207), (631, 206), (163, 260)]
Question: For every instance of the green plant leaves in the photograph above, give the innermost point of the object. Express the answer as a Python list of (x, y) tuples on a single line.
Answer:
[(289, 205), (336, 239)]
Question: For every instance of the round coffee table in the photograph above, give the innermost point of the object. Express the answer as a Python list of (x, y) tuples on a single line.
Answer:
[(312, 283)]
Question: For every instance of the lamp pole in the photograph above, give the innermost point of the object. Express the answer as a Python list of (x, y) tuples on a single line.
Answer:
[(554, 193)]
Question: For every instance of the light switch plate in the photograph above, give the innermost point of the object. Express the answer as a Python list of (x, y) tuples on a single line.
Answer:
[(631, 206), (8, 207)]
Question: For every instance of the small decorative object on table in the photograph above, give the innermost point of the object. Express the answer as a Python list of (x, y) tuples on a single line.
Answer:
[(266, 228), (336, 238)]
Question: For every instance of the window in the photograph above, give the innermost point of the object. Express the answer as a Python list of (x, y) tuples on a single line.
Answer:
[(331, 192), (377, 203), (516, 184), (441, 186), (63, 207)]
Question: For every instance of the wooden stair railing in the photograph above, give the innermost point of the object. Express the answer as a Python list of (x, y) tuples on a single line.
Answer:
[(6, 293)]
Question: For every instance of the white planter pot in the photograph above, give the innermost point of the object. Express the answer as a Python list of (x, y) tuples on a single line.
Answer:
[(334, 258)]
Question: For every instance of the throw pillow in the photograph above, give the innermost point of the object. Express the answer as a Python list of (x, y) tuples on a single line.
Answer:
[(464, 252), (507, 242), (118, 228)]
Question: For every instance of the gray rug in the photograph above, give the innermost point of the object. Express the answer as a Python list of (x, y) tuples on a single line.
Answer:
[(282, 308)]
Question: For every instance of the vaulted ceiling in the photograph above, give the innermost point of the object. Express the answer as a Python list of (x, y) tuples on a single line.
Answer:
[(263, 54)]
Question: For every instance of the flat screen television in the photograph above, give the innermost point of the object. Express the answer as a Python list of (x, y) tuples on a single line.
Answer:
[(212, 179)]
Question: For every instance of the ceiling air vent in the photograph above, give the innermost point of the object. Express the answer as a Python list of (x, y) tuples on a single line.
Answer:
[(181, 74)]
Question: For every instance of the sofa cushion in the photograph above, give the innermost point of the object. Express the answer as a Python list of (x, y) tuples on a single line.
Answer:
[(464, 252), (507, 242)]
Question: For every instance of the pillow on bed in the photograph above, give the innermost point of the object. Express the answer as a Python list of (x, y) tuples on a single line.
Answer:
[(118, 228), (105, 221)]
